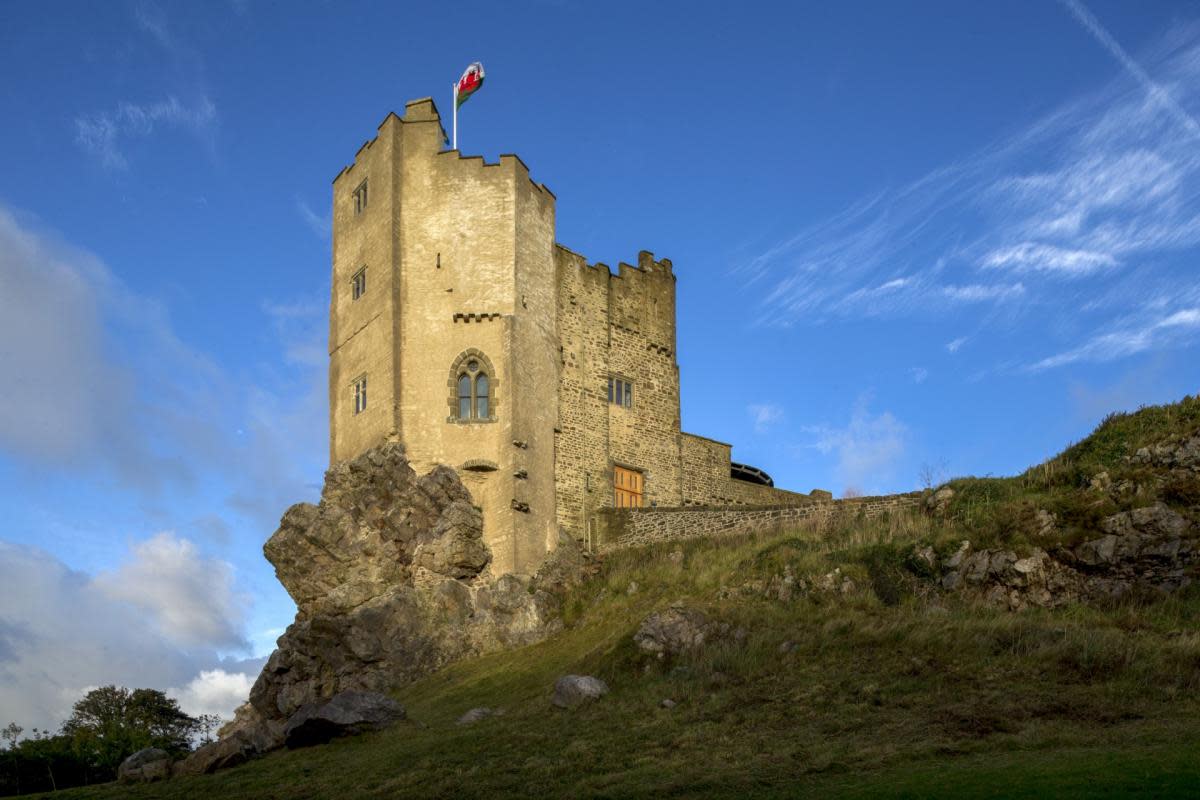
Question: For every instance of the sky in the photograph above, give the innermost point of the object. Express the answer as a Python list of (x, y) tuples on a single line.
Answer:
[(912, 240)]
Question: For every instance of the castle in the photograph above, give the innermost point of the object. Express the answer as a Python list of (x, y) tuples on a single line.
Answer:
[(458, 326)]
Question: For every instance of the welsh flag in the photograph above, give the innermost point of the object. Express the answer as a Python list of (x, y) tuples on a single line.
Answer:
[(468, 84)]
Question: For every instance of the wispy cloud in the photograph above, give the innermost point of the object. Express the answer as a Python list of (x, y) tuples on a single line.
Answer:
[(765, 416), (1082, 214), (319, 224), (867, 447), (954, 345), (105, 134), (1128, 340)]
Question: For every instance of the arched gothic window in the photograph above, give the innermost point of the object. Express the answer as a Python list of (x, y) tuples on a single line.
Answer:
[(473, 384)]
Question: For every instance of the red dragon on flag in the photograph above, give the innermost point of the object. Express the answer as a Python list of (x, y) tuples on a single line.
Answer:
[(469, 83)]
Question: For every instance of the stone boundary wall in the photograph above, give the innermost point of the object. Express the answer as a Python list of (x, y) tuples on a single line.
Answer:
[(631, 527)]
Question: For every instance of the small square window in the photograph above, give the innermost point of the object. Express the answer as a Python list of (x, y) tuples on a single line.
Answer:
[(360, 395), (358, 284), (360, 198)]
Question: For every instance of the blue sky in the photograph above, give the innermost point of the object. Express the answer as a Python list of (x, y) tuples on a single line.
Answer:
[(944, 234)]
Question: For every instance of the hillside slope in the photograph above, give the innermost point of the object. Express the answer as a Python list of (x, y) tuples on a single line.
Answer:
[(835, 662)]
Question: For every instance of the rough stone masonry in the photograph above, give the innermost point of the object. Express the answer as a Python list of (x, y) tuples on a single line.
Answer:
[(459, 327)]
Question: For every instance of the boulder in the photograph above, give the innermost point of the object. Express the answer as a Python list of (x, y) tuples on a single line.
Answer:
[(668, 633), (1157, 521), (345, 714), (475, 715), (227, 752), (144, 766), (573, 690)]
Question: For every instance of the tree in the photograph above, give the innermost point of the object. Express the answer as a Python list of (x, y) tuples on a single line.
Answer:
[(111, 723)]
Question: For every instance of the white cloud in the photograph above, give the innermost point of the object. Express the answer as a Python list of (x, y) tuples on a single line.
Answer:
[(102, 381), (104, 133), (919, 374), (320, 224), (1111, 204), (189, 598), (1047, 257), (63, 631), (765, 416), (953, 345), (976, 292), (214, 691), (867, 448), (1127, 340)]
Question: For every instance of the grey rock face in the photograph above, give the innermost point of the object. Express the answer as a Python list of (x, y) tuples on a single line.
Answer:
[(345, 714), (668, 633), (390, 574), (144, 766), (228, 752), (573, 690)]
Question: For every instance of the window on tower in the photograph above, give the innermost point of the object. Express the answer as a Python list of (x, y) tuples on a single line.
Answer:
[(360, 394), (473, 384), (358, 284), (360, 198), (620, 392)]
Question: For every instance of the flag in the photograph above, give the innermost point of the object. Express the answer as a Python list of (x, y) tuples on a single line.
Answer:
[(468, 84)]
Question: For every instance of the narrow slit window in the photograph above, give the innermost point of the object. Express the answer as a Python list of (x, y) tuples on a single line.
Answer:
[(481, 396), (358, 285), (360, 395), (464, 397), (360, 198)]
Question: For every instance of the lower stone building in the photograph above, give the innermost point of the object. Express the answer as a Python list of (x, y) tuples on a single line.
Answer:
[(460, 327)]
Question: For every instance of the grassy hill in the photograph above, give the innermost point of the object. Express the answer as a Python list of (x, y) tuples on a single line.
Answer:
[(878, 685)]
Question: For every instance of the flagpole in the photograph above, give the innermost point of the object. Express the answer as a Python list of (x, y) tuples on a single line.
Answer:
[(454, 105)]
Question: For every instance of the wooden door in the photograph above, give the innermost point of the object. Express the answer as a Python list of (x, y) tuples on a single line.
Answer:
[(627, 488)]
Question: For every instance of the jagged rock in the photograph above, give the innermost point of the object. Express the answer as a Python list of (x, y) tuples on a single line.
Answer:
[(475, 715), (221, 754), (572, 690), (956, 559), (345, 714), (1096, 552), (391, 577), (938, 501), (1100, 482), (457, 549), (146, 765), (263, 734), (1181, 454), (565, 567), (1157, 520), (668, 633), (1044, 523)]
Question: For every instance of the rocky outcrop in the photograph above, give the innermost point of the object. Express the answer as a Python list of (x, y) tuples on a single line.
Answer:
[(1182, 454), (1151, 548), (669, 633), (144, 766), (391, 578)]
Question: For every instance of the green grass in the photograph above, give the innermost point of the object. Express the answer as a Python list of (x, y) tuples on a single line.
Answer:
[(927, 697), (891, 689)]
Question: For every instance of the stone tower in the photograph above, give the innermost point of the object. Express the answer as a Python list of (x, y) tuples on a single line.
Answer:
[(443, 282)]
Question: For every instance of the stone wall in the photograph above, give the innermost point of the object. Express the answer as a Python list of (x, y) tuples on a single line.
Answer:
[(707, 481), (621, 326), (631, 527)]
